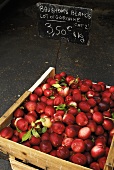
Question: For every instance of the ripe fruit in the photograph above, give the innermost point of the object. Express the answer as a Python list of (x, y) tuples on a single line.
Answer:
[(43, 99), (63, 152), (69, 119), (15, 138), (30, 118), (95, 166), (97, 151), (72, 130), (67, 142), (108, 124), (58, 127), (45, 136), (81, 119), (107, 114), (89, 144), (63, 91), (18, 113), (90, 94), (50, 102), (106, 93), (91, 102), (88, 82), (96, 87), (102, 162), (69, 79), (30, 105), (111, 89), (84, 106), (53, 153), (33, 97), (88, 157), (98, 117), (92, 125), (112, 96), (45, 146), (112, 132), (84, 88), (106, 100), (72, 110), (45, 86), (60, 112), (36, 147), (48, 92), (34, 141), (21, 134), (84, 133), (103, 106), (38, 91), (63, 74), (53, 81), (101, 140), (57, 77), (58, 100), (22, 124), (56, 139), (33, 112), (40, 107), (77, 97), (99, 130), (26, 143), (6, 132), (78, 158), (103, 85), (78, 145), (49, 110)]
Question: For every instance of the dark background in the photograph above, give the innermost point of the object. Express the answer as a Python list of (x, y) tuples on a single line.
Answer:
[(24, 56)]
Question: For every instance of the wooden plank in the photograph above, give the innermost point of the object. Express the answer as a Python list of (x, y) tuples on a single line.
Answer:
[(5, 120), (37, 158), (110, 158), (22, 98), (16, 165)]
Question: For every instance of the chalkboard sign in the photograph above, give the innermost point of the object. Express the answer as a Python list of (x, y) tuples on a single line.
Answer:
[(69, 22)]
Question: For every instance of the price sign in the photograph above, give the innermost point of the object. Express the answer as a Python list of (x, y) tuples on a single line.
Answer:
[(69, 22)]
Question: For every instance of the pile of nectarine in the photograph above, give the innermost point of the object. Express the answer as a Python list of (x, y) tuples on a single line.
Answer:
[(68, 118)]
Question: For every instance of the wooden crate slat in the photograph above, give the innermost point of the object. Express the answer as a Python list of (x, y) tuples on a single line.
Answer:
[(16, 165), (5, 120), (37, 158), (22, 98), (110, 158)]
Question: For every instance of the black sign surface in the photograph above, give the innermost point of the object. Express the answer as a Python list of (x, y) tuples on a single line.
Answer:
[(69, 22)]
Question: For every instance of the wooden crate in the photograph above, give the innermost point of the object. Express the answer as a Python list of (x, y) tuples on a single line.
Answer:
[(22, 157)]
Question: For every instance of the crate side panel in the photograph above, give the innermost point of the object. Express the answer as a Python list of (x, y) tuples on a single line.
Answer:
[(36, 158), (110, 159), (23, 98), (16, 165), (5, 120)]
